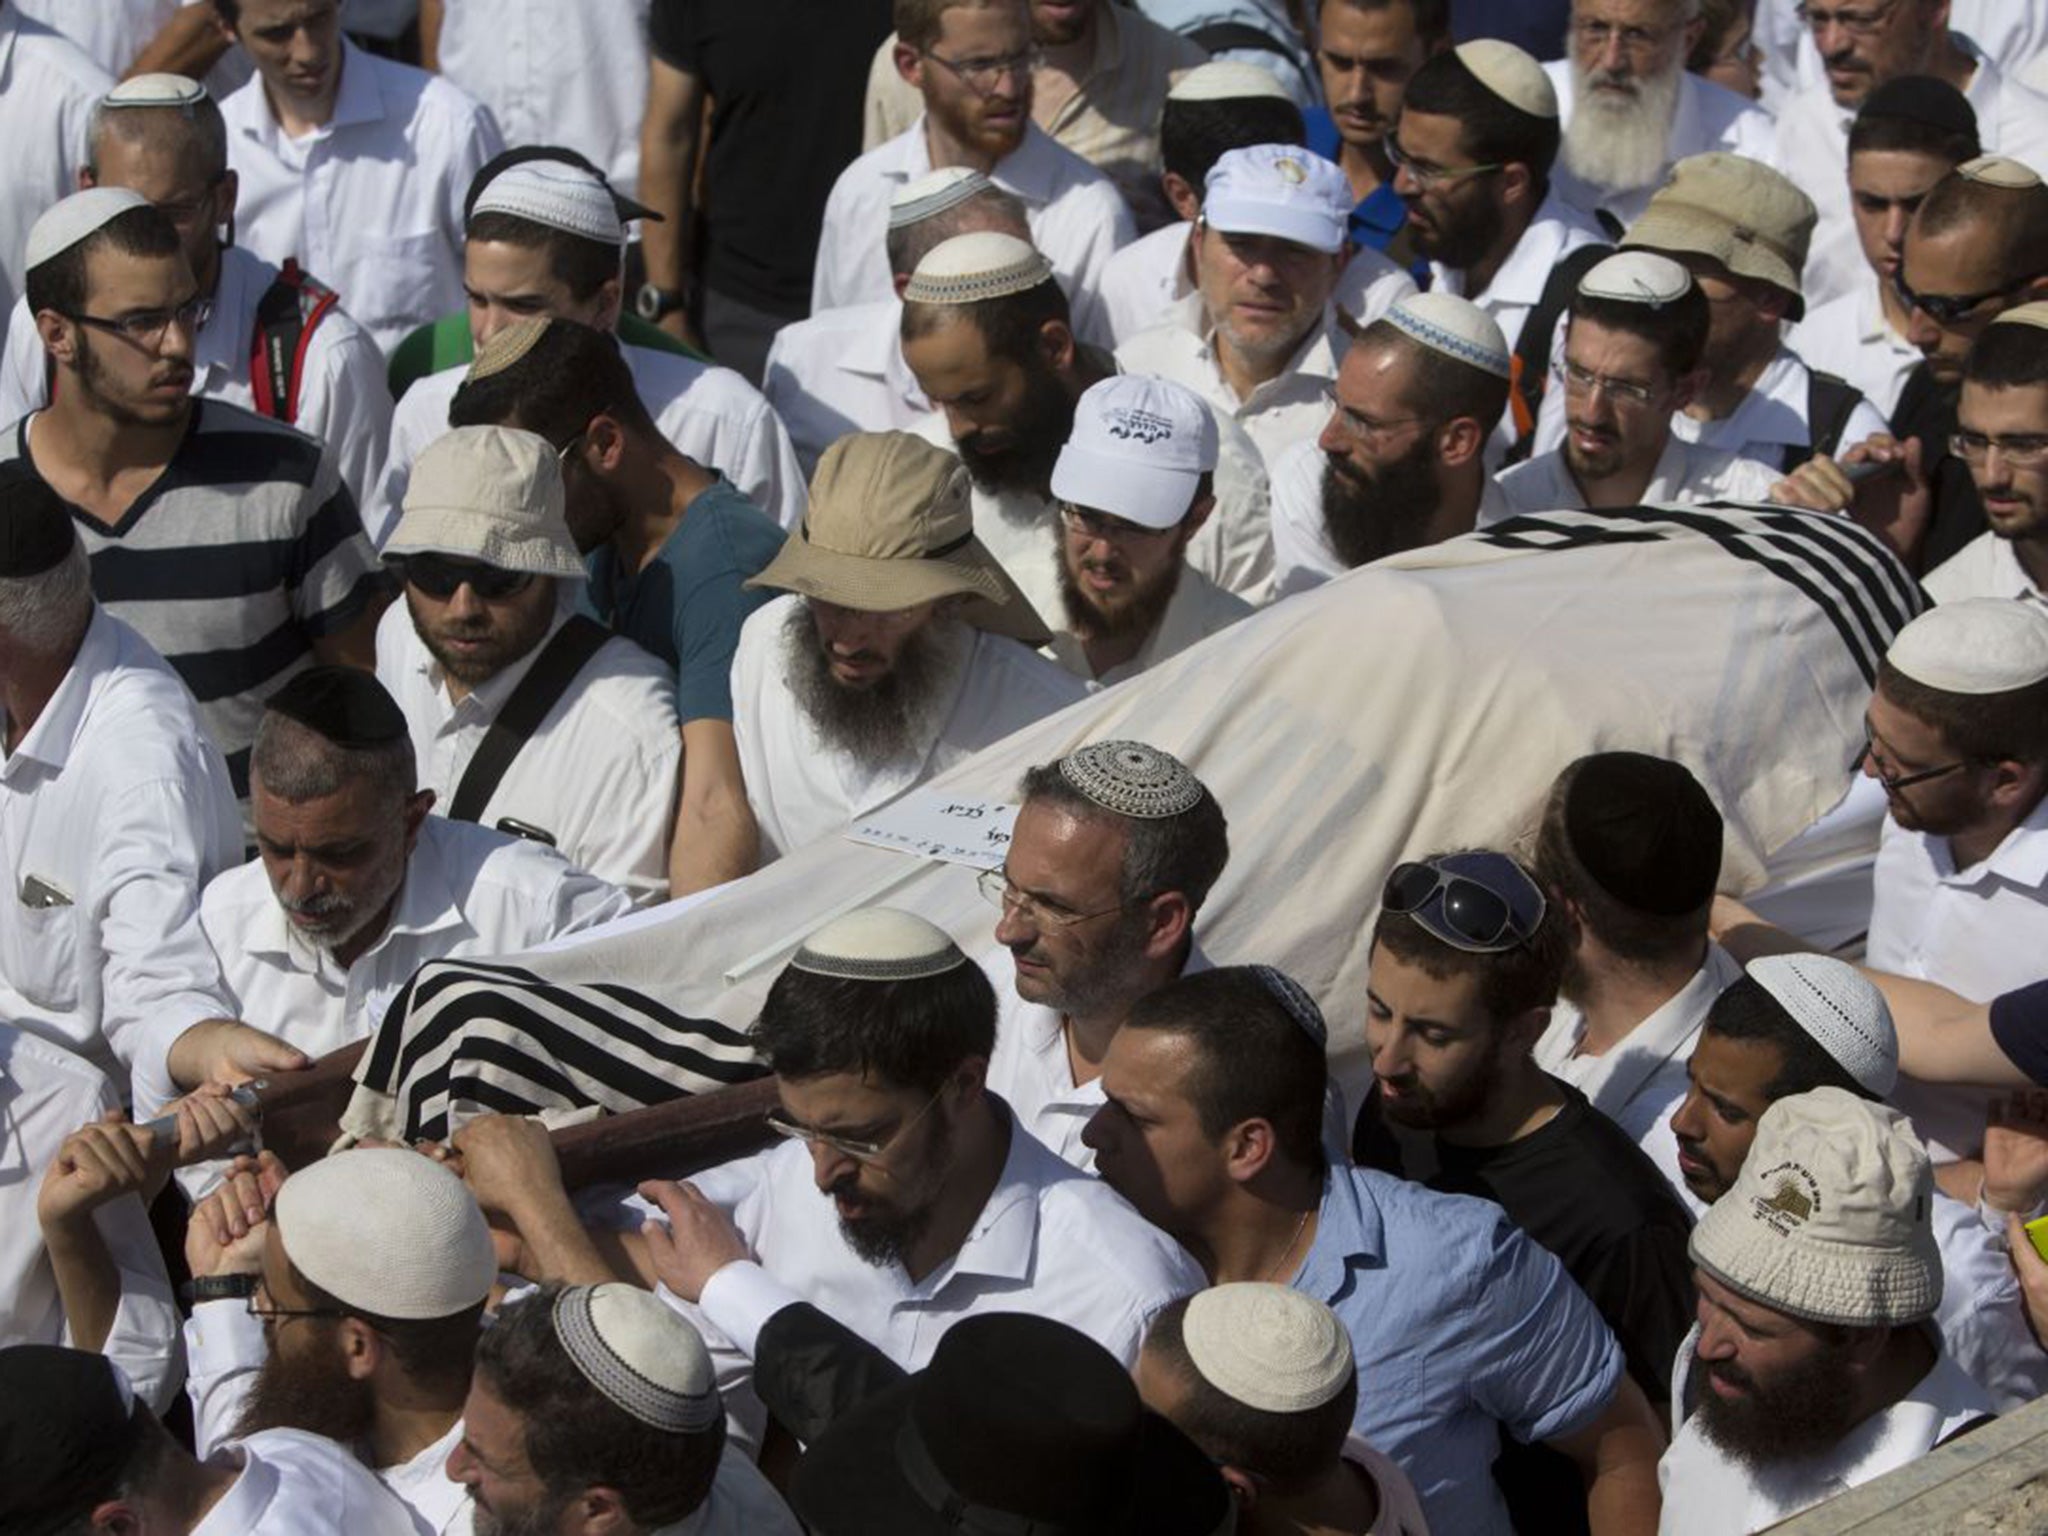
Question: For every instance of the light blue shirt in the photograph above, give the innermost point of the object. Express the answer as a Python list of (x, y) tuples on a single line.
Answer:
[(1462, 1327)]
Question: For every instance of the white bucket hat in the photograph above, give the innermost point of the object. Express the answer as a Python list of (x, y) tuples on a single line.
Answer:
[(492, 494)]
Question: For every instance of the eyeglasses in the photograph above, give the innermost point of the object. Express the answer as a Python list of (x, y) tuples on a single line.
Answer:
[(995, 886), (1114, 530), (2026, 450), (441, 576), (1945, 308), (1855, 23), (1583, 381), (1893, 783), (860, 1151), (1472, 914), (148, 327), (1430, 177), (284, 1314), (1358, 426), (1596, 35), (183, 214), (982, 76)]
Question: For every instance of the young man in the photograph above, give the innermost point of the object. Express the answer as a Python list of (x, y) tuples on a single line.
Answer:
[(1135, 483), (1212, 1126), (1366, 53), (2002, 438)]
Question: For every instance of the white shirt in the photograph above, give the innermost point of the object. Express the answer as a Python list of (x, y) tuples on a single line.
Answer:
[(1284, 410), (1642, 1078), (600, 770), (1685, 473), (47, 90), (574, 75), (343, 399), (1033, 1072), (842, 371), (707, 412), (1051, 1240), (372, 201), (296, 1484), (1303, 555), (2012, 36), (803, 786), (1984, 567), (1198, 609), (1983, 1315), (1850, 337), (1813, 150), (117, 798), (1400, 1506), (1143, 282), (1557, 230), (1709, 1493), (1707, 117), (468, 891), (1076, 218), (46, 1094)]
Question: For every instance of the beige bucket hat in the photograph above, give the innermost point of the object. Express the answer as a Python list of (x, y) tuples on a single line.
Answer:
[(1737, 211), (890, 526), (492, 494)]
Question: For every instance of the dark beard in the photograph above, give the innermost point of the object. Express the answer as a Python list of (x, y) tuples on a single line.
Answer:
[(1459, 245), (1137, 614), (543, 1519), (883, 1240), (1805, 1412), (874, 724), (1369, 519), (317, 1395), (1023, 456)]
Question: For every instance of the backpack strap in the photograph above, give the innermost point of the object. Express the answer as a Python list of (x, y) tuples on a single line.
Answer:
[(1529, 373), (1830, 402), (538, 692), (286, 315)]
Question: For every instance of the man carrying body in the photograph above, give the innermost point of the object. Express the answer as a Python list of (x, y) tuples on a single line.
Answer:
[(1401, 461), (545, 239), (1113, 852), (971, 62), (1259, 339), (488, 640), (356, 886), (162, 136), (1631, 111), (1812, 1369), (1629, 851), (315, 136), (897, 653), (1634, 342), (2002, 438), (1135, 483), (668, 543), (1212, 1126)]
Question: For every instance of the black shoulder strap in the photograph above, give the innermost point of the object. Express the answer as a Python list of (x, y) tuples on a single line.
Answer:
[(545, 683), (1830, 402), (1233, 36), (1531, 370)]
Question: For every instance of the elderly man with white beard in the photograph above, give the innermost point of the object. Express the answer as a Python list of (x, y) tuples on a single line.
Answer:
[(1631, 111)]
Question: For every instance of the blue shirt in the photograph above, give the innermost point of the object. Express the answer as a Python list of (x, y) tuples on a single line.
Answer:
[(1462, 1327), (1379, 216), (687, 605)]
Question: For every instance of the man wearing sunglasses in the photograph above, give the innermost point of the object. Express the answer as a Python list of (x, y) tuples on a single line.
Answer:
[(2002, 439), (1466, 961), (1958, 730), (971, 61)]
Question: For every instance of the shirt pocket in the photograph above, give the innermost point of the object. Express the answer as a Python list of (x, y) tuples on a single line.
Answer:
[(42, 954), (395, 281)]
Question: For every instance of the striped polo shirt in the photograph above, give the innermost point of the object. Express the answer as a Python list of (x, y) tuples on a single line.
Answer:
[(245, 550)]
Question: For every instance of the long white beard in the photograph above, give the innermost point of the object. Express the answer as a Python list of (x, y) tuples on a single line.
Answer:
[(1620, 142)]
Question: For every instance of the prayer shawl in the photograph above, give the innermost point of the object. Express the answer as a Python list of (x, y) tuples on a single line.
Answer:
[(1419, 704)]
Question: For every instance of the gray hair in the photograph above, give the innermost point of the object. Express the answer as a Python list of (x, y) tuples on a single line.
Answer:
[(991, 209), (45, 614), (296, 763), (197, 129), (1184, 853)]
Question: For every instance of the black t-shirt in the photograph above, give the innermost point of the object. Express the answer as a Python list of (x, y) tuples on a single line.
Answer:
[(2019, 1023), (1927, 410), (1584, 1190), (787, 80)]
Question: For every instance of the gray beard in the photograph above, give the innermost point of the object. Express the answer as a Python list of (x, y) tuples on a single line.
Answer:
[(1622, 146), (893, 718)]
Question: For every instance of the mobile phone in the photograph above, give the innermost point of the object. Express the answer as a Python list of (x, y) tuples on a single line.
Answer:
[(526, 829), (38, 894), (2037, 1234)]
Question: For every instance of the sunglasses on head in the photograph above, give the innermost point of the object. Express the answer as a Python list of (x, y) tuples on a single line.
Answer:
[(439, 576), (1473, 909)]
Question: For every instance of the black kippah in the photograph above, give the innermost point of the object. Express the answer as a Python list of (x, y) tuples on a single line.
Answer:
[(345, 704), (1922, 99), (1645, 831), (67, 1425), (35, 523)]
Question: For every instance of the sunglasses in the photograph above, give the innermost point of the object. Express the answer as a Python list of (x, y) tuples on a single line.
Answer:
[(439, 577), (1947, 308), (1473, 909)]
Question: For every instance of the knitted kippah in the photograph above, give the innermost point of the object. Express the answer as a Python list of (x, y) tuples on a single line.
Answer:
[(878, 944), (970, 268), (1289, 994), (1132, 779), (643, 1356)]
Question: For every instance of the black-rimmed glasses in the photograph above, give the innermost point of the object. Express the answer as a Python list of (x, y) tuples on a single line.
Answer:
[(146, 328)]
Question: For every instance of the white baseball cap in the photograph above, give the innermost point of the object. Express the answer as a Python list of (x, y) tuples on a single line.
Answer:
[(1279, 190), (1139, 448)]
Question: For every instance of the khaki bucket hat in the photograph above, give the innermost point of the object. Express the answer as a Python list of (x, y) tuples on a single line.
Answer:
[(1737, 211), (492, 494), (890, 526)]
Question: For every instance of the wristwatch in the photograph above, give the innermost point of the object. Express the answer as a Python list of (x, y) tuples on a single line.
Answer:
[(219, 1288), (651, 303)]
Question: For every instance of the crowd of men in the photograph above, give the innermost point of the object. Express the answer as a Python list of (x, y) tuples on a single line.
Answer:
[(474, 471)]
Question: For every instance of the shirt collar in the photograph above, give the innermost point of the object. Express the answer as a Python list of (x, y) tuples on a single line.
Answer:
[(9, 31), (1349, 1231), (247, 1500), (2021, 859), (1004, 1239), (1523, 276), (1774, 410), (360, 98), (50, 740), (489, 696), (223, 342), (1031, 170)]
